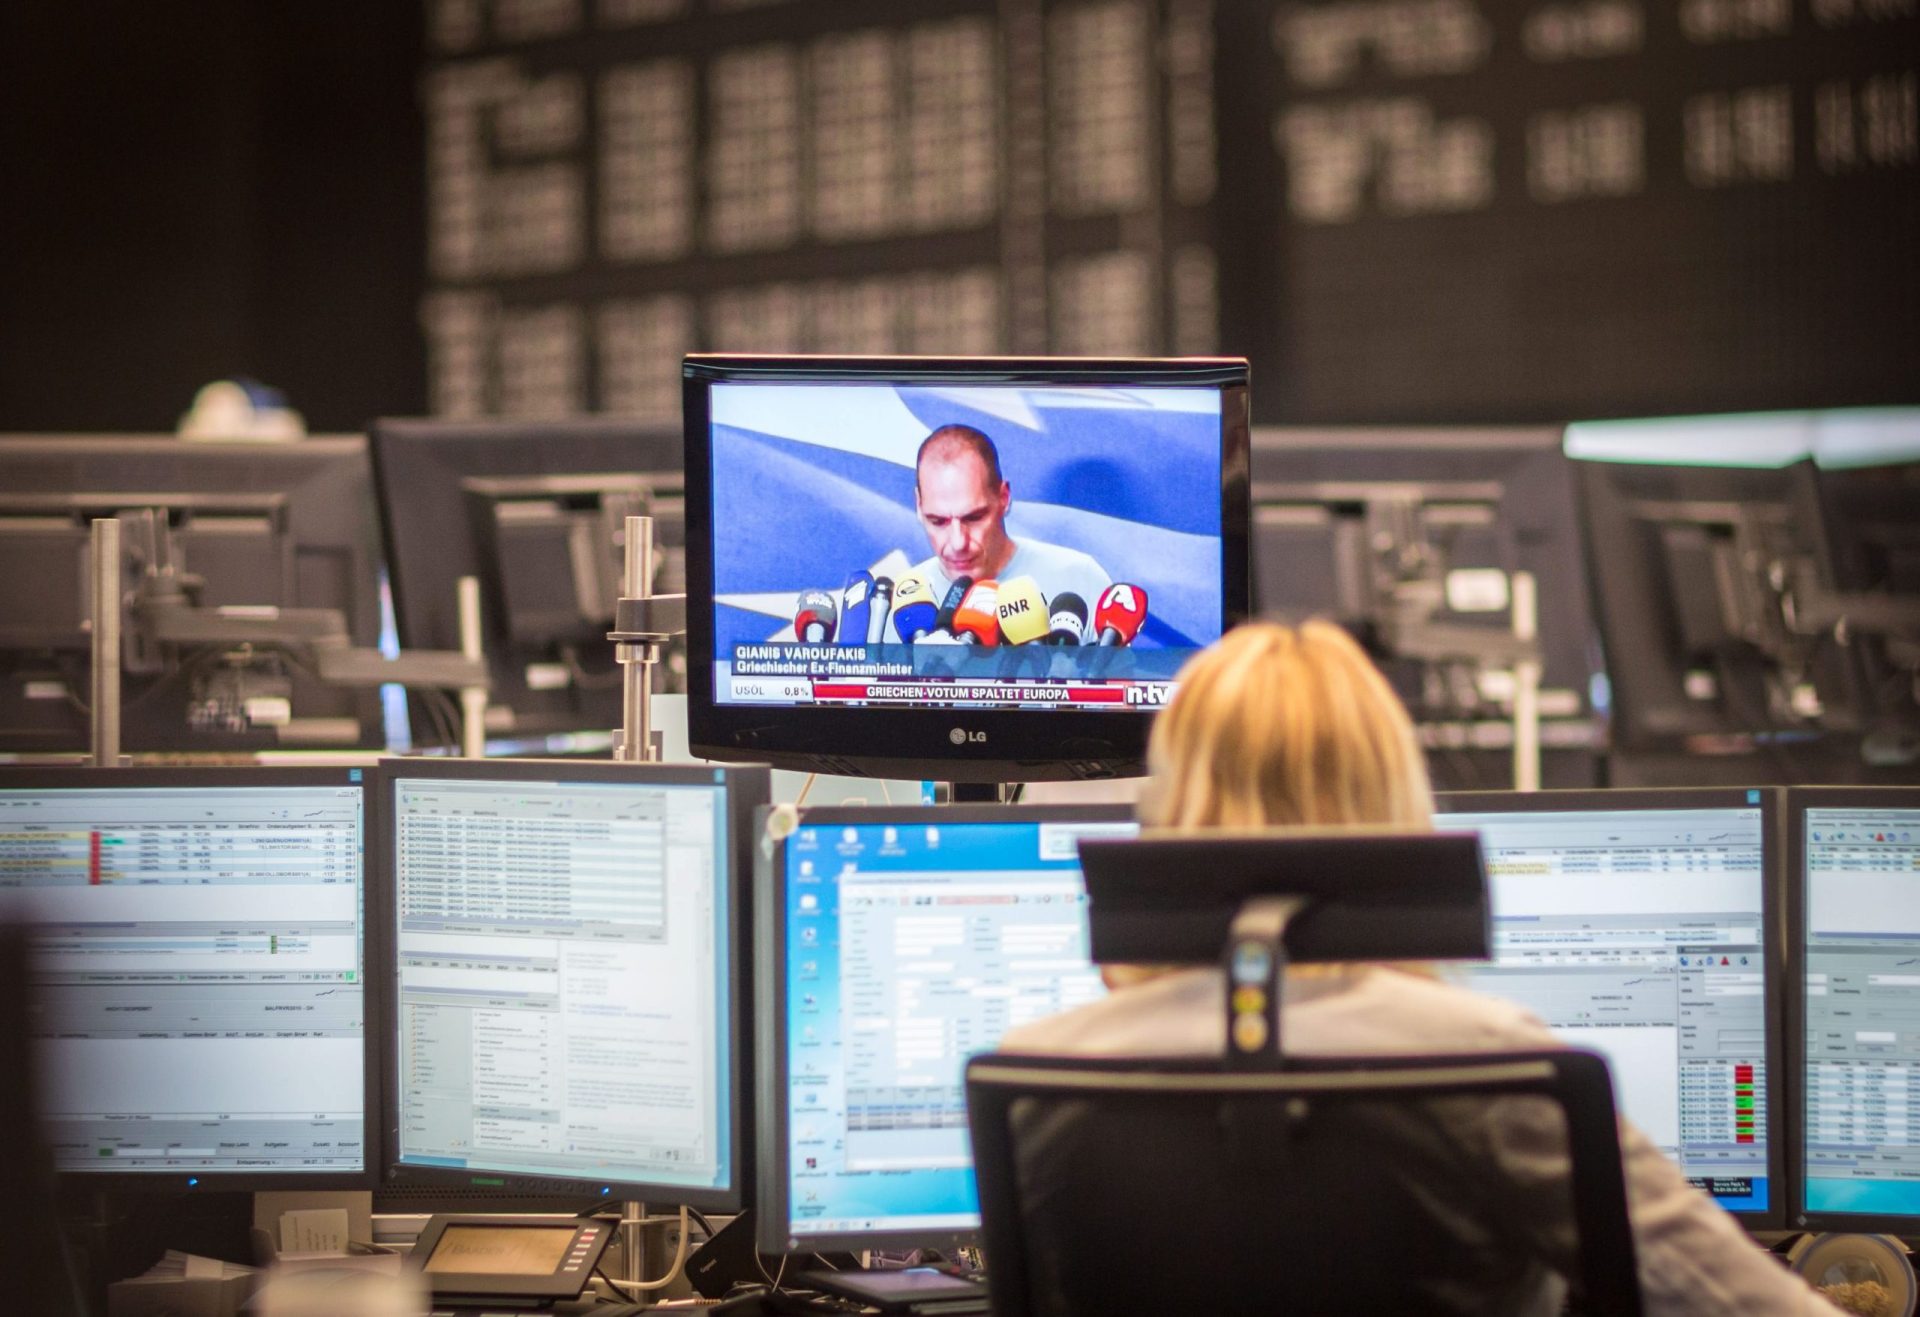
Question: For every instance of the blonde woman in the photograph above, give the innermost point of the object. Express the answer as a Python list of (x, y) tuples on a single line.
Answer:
[(1278, 727)]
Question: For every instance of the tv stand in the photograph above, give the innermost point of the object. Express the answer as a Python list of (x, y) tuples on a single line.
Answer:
[(976, 793)]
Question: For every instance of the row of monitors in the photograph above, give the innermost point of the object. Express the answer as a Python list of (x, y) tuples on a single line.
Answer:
[(544, 974), (1407, 537)]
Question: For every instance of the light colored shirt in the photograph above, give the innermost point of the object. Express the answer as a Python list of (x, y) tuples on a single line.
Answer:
[(1055, 569), (1692, 1257)]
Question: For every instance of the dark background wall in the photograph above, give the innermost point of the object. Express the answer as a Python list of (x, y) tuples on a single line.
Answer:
[(192, 191)]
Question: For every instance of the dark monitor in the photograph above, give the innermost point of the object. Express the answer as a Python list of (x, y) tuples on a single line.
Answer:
[(1409, 538), (976, 570), (202, 959), (245, 525), (1854, 940), (570, 976), (1693, 569), (536, 511), (1645, 925), (1871, 515), (896, 944)]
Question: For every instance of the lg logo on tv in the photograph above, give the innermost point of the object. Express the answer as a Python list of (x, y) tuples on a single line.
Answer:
[(961, 736)]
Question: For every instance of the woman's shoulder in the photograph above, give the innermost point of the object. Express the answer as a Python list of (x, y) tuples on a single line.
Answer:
[(1387, 1010), (1178, 1014), (1361, 1010)]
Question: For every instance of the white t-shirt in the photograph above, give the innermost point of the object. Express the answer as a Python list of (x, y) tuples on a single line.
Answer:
[(1693, 1258), (1056, 570)]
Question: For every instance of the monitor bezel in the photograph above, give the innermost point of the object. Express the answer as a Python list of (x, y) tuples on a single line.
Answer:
[(1774, 940), (1798, 800), (747, 788), (770, 943), (372, 899), (1000, 744)]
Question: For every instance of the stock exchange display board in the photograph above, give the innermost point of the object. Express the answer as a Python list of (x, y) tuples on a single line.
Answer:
[(1403, 211), (1547, 209)]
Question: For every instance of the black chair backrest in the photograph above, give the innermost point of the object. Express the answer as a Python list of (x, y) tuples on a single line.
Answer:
[(1362, 1185)]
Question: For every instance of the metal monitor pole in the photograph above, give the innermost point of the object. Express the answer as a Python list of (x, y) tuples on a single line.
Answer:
[(105, 705), (643, 621)]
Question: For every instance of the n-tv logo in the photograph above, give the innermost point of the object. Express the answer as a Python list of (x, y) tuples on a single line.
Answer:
[(1153, 694)]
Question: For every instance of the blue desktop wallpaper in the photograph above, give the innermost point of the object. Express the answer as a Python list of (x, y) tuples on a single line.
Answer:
[(813, 1016)]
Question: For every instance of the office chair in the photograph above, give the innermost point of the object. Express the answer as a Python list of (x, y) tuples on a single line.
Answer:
[(1357, 1185)]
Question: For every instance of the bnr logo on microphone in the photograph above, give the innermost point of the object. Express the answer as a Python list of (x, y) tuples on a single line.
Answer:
[(961, 736), (1155, 693)]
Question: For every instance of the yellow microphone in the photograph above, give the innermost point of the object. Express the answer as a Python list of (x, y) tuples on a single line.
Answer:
[(1023, 611)]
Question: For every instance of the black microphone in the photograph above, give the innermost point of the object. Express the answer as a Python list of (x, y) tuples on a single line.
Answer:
[(1067, 616), (880, 603), (951, 604)]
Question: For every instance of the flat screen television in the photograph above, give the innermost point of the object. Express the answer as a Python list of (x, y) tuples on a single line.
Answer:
[(971, 569)]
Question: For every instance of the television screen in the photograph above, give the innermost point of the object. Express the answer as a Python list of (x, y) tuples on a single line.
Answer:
[(1022, 543)]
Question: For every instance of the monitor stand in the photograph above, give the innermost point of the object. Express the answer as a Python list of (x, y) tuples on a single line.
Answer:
[(976, 793)]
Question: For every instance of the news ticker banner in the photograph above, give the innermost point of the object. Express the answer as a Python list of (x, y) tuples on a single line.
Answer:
[(937, 676)]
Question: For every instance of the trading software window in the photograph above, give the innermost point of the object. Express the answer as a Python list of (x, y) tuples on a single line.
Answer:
[(1863, 1010), (200, 950), (1638, 934), (909, 949), (563, 970)]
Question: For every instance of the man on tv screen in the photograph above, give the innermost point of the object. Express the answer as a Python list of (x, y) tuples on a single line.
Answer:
[(962, 501)]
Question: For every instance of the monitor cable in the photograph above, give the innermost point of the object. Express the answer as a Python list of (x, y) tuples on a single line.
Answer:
[(633, 1287)]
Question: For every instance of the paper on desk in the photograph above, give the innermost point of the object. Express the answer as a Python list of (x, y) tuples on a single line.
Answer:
[(314, 1230), (175, 1265)]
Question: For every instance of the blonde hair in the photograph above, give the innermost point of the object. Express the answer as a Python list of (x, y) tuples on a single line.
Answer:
[(1282, 727), (1277, 727)]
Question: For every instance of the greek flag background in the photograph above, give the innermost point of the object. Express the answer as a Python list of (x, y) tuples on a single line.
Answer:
[(813, 482)]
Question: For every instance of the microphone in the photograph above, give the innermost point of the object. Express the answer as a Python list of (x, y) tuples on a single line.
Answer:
[(856, 600), (1120, 613), (951, 604), (814, 619), (914, 612), (977, 620), (1068, 620), (1022, 611), (880, 598)]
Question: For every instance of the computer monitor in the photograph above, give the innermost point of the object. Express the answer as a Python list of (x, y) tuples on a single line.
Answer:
[(202, 962), (1872, 519), (1853, 917), (1693, 569), (1645, 925), (536, 511), (895, 944), (253, 526), (1410, 539), (570, 976), (977, 570)]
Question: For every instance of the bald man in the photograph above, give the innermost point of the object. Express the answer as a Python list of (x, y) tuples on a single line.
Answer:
[(962, 501)]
